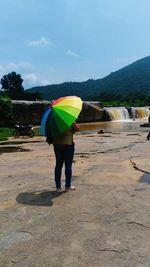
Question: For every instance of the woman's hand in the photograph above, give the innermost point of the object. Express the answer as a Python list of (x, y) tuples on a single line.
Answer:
[(75, 127)]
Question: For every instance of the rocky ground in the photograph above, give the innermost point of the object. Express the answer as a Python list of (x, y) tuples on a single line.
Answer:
[(105, 222)]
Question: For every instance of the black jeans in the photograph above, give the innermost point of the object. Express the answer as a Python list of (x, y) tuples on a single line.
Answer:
[(148, 136), (63, 154)]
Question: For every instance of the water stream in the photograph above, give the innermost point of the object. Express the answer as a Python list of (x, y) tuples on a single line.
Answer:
[(115, 126), (140, 112), (121, 119), (117, 113), (122, 113)]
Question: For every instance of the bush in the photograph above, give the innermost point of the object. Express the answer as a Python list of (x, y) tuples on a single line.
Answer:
[(5, 110), (5, 133)]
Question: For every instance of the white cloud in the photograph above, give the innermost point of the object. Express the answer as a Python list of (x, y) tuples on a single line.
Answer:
[(20, 67), (12, 66), (41, 42), (1, 67), (31, 78), (25, 65), (72, 54), (45, 82), (34, 79)]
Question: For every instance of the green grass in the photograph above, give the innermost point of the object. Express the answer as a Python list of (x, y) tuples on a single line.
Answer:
[(37, 131), (5, 133)]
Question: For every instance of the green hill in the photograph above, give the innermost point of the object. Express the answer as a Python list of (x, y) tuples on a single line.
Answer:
[(134, 77)]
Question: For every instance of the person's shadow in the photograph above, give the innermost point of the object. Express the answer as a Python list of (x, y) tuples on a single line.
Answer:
[(38, 198)]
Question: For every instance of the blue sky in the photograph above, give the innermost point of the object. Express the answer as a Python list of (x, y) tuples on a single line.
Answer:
[(54, 41)]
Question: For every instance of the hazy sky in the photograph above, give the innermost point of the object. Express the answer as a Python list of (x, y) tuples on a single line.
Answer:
[(53, 41)]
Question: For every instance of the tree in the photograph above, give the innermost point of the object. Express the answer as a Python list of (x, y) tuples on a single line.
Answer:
[(12, 84)]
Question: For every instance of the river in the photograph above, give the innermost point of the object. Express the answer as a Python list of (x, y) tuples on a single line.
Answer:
[(115, 126)]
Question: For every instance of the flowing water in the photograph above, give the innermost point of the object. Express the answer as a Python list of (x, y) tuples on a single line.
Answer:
[(122, 113), (141, 112), (114, 126), (121, 120), (117, 113)]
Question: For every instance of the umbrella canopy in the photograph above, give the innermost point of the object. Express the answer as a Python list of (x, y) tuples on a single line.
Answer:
[(60, 115)]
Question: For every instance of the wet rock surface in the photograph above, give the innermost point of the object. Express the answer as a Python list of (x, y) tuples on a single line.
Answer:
[(105, 222)]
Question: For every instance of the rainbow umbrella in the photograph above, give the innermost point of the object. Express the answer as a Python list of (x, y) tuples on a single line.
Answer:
[(60, 115)]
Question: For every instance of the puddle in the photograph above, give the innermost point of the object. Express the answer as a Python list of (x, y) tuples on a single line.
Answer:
[(11, 149), (145, 178), (16, 142)]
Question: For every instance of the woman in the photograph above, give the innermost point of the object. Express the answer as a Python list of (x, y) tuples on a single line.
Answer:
[(64, 152)]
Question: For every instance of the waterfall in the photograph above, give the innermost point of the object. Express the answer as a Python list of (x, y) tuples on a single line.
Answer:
[(140, 112), (117, 113)]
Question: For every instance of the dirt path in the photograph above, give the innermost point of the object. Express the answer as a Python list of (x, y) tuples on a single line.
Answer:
[(105, 222)]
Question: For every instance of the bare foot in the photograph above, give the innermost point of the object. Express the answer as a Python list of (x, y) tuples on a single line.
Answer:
[(71, 188)]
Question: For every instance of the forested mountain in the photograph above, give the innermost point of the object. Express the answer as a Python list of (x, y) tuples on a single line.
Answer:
[(134, 77)]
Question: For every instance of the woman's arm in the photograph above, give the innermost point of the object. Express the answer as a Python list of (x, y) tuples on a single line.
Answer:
[(75, 127)]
